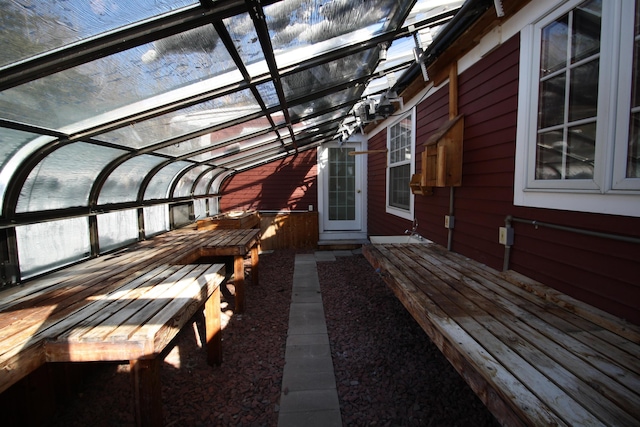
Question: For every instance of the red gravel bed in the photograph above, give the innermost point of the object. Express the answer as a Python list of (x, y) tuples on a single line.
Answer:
[(388, 373)]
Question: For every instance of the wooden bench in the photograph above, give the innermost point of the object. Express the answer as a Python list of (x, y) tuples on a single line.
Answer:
[(125, 306), (533, 355)]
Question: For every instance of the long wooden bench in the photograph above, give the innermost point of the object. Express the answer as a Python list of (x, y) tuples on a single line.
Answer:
[(533, 355), (125, 306)]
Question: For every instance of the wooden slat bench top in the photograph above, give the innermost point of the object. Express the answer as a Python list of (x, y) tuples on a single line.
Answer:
[(127, 305), (533, 355)]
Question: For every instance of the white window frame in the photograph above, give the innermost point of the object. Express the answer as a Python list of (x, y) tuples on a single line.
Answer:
[(608, 192), (393, 210)]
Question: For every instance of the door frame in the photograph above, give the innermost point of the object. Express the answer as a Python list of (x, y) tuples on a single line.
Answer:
[(361, 167)]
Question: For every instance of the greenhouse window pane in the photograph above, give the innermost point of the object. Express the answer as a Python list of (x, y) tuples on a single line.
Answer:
[(184, 121), (237, 147), (245, 39), (127, 82), (301, 30), (181, 214), (317, 121), (34, 27), (124, 182), (268, 94), (65, 177), (203, 183), (300, 111), (213, 206), (250, 152), (329, 74), (185, 185), (156, 219), (158, 187), (48, 245), (215, 139), (117, 229), (200, 208)]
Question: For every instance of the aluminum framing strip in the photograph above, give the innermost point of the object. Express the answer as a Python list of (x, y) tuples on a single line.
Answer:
[(259, 22)]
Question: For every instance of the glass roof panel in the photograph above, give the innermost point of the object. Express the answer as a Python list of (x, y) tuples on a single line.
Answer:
[(425, 9), (124, 182), (330, 74), (268, 94), (245, 39), (34, 27), (299, 112), (249, 152), (158, 187), (301, 29), (184, 121), (228, 149), (123, 83), (185, 185), (12, 141), (214, 139), (246, 163), (315, 121), (65, 177)]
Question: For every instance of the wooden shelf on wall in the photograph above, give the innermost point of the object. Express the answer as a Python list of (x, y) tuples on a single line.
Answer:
[(441, 159)]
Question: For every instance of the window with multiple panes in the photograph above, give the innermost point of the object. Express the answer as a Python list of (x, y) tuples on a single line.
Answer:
[(579, 108), (400, 143)]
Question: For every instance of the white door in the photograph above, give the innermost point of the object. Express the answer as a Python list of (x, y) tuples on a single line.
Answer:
[(342, 187)]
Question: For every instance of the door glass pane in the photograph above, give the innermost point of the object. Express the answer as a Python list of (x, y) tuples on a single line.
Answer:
[(342, 168), (48, 245)]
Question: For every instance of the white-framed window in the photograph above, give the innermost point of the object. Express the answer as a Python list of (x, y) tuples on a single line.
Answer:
[(578, 139), (400, 166)]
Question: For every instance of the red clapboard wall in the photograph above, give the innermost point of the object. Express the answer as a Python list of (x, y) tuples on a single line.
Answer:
[(601, 272), (287, 184)]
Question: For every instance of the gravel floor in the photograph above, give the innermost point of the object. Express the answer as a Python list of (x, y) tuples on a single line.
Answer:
[(387, 371)]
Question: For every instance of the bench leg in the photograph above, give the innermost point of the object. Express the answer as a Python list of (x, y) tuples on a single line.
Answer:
[(254, 264), (147, 393), (213, 330), (238, 281)]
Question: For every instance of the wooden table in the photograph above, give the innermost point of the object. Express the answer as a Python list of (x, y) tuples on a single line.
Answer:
[(236, 243), (125, 306), (533, 355)]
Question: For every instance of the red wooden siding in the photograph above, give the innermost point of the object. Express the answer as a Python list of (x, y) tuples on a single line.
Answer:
[(601, 272), (288, 184)]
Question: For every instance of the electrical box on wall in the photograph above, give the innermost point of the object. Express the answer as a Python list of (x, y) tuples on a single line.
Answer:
[(505, 237), (449, 221)]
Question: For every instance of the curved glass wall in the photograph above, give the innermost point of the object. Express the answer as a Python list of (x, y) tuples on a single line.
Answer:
[(158, 187), (124, 182), (65, 177), (185, 185)]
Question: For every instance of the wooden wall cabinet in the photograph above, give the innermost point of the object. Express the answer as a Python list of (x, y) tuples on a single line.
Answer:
[(441, 159)]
